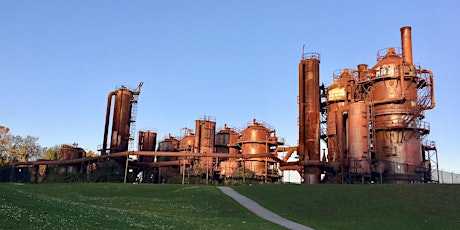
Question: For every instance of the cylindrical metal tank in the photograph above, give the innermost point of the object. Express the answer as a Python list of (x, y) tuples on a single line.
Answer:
[(226, 139), (395, 96), (228, 168), (309, 114), (169, 144), (204, 139), (147, 142), (257, 138), (358, 139), (187, 143), (205, 134), (374, 118), (68, 152), (121, 120), (338, 97)]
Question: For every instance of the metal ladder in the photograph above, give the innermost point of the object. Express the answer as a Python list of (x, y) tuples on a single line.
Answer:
[(132, 127), (371, 117)]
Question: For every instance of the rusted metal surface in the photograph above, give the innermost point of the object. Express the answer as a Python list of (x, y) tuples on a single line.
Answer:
[(373, 121), (162, 163), (226, 139), (309, 115), (406, 43), (374, 117), (228, 168), (71, 152), (147, 142), (143, 153), (359, 152), (169, 144), (256, 138), (204, 140), (338, 99), (68, 152), (187, 143), (226, 142), (395, 94), (121, 120)]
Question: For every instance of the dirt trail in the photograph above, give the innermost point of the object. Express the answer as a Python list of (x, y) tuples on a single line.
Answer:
[(261, 211)]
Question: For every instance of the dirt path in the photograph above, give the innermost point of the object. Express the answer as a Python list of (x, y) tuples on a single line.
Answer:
[(261, 211)]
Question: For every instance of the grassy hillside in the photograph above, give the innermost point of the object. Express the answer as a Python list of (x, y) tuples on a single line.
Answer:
[(151, 206), (409, 206), (121, 206)]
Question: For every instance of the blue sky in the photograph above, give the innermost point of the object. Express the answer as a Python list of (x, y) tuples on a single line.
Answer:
[(233, 60)]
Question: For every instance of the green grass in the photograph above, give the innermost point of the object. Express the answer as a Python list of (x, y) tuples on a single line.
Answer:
[(151, 206), (121, 206), (408, 206)]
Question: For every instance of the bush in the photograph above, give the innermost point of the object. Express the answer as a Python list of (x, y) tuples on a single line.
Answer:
[(5, 173), (107, 171)]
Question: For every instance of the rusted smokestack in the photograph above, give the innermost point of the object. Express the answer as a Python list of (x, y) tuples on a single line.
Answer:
[(406, 43), (309, 116)]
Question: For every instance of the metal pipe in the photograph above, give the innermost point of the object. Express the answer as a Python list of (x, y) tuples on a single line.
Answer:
[(163, 163), (107, 120), (340, 135), (402, 78), (406, 43), (143, 153)]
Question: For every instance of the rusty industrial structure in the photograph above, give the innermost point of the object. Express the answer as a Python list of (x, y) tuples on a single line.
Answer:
[(369, 122), (124, 114)]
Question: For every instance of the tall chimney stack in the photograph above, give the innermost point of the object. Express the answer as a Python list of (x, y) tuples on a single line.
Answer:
[(406, 43)]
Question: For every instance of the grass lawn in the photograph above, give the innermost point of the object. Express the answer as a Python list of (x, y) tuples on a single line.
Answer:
[(407, 206), (121, 206), (152, 206)]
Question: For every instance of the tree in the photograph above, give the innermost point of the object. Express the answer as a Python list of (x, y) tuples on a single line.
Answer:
[(52, 153), (90, 153), (15, 148), (4, 143)]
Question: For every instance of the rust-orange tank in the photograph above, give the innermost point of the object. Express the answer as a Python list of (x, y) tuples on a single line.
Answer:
[(121, 119), (187, 143), (204, 140), (374, 118), (257, 138), (309, 117), (228, 168), (397, 111), (147, 142), (69, 152), (226, 139), (358, 139), (225, 142), (338, 97), (169, 144)]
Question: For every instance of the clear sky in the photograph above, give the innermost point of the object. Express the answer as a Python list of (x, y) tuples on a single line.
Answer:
[(233, 60)]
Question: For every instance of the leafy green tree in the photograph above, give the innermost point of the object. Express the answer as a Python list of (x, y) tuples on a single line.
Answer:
[(15, 148), (52, 153)]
